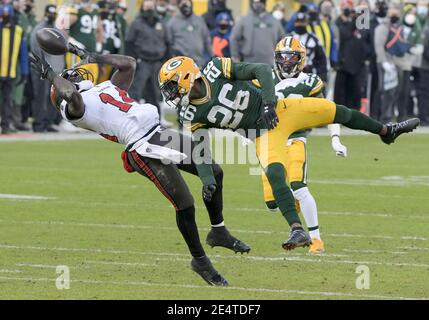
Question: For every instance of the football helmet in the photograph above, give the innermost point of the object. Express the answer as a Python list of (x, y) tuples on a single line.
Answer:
[(80, 77), (289, 56), (176, 79)]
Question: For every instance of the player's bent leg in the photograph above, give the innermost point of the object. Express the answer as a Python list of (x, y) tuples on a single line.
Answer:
[(168, 180), (284, 198), (296, 161), (270, 202), (354, 119), (309, 211), (219, 235)]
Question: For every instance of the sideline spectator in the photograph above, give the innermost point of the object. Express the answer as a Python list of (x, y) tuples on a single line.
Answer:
[(44, 114), (188, 34), (316, 61), (216, 7), (9, 68), (423, 74), (147, 41), (255, 36), (353, 52), (278, 12), (221, 36)]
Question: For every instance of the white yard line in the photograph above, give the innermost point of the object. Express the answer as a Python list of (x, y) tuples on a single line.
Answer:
[(128, 264), (50, 266), (23, 197), (313, 259), (9, 271), (266, 232), (232, 288)]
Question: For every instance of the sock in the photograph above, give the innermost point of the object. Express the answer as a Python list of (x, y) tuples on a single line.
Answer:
[(284, 197), (215, 206), (354, 119), (314, 232), (186, 222), (308, 209), (222, 224)]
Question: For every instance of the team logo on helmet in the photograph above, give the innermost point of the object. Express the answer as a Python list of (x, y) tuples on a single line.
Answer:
[(174, 65)]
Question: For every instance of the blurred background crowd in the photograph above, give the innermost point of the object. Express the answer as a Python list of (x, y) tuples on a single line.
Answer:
[(373, 55)]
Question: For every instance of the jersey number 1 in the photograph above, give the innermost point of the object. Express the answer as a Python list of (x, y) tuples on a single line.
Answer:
[(124, 105)]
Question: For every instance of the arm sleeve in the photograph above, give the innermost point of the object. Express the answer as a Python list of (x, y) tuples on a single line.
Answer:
[(23, 58), (249, 72)]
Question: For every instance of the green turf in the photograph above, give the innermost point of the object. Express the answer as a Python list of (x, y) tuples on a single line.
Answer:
[(118, 236)]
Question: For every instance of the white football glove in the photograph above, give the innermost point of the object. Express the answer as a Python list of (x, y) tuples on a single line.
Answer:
[(339, 148)]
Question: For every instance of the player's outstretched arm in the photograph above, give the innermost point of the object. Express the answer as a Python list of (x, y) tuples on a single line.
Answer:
[(125, 65), (261, 72), (64, 88), (264, 74)]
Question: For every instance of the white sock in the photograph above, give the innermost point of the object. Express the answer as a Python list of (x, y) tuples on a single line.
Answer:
[(309, 210), (222, 224)]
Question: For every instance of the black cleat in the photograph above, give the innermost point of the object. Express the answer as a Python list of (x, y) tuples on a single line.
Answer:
[(220, 237), (297, 238), (394, 130), (205, 269)]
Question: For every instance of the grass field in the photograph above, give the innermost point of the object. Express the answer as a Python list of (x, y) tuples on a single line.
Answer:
[(118, 235)]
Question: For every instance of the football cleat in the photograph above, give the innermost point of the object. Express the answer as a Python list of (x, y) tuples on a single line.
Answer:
[(394, 130), (317, 246), (205, 269), (297, 238), (220, 237)]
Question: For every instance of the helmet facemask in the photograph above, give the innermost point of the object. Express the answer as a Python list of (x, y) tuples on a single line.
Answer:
[(174, 95), (289, 63), (80, 77)]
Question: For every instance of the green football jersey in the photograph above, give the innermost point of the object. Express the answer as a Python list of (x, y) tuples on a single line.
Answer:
[(229, 103), (85, 27)]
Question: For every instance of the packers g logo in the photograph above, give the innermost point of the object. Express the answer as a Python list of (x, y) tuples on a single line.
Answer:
[(174, 65)]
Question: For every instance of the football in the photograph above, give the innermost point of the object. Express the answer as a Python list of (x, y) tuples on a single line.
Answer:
[(52, 41)]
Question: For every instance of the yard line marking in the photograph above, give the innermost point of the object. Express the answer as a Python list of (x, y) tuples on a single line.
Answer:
[(374, 251), (232, 288), (9, 271), (415, 248), (239, 209), (296, 258), (129, 264), (267, 232), (49, 266), (23, 197), (31, 265)]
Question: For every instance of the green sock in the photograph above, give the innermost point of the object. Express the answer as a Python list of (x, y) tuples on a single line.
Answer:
[(354, 119), (284, 198)]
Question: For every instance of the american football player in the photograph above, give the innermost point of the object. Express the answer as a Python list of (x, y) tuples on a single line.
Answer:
[(108, 110), (222, 96), (290, 81)]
